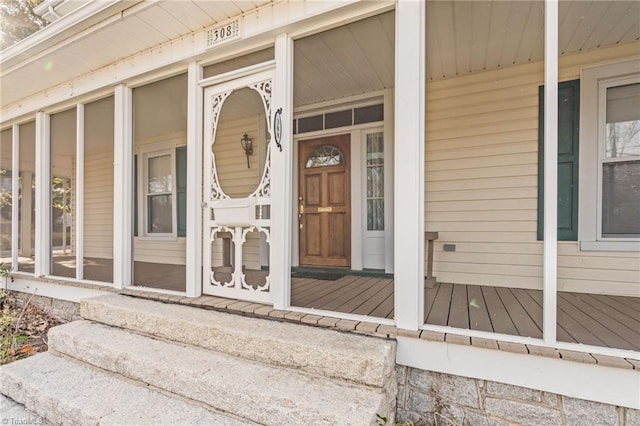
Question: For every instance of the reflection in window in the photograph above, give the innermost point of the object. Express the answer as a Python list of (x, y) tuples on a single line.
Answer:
[(621, 164), (326, 155), (375, 182), (159, 196)]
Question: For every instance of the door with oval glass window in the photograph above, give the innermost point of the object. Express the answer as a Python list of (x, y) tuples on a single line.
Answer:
[(324, 201)]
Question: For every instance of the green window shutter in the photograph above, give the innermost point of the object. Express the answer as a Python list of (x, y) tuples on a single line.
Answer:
[(568, 142), (181, 189), (135, 195)]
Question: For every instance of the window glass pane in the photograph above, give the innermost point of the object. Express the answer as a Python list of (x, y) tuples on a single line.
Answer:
[(621, 199), (623, 121), (326, 155), (27, 203), (368, 114), (160, 178), (309, 124), (160, 220), (375, 215), (375, 182), (337, 119)]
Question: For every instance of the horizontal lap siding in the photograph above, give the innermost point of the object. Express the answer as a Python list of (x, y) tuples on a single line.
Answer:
[(481, 184), (98, 205)]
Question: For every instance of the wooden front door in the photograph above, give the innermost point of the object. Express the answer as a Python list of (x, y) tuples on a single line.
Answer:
[(324, 202)]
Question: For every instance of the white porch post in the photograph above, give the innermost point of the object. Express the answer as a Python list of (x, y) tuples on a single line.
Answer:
[(409, 164), (194, 181), (122, 187), (281, 175), (550, 245), (80, 191), (43, 195), (15, 196)]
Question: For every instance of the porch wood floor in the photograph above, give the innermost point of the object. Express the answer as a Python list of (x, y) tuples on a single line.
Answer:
[(598, 320)]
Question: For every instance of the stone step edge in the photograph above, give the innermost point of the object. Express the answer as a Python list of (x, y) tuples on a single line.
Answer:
[(360, 359), (63, 390), (225, 383)]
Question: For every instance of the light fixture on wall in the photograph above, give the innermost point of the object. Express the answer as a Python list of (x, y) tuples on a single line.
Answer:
[(247, 146)]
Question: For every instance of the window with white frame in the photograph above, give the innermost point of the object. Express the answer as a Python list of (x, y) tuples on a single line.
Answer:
[(159, 214), (610, 158), (620, 159)]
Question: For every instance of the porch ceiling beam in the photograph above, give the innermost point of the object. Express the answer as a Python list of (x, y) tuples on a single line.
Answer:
[(409, 137), (550, 245)]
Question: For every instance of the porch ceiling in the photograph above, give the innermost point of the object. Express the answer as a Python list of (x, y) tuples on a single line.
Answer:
[(472, 36), (129, 30), (462, 37)]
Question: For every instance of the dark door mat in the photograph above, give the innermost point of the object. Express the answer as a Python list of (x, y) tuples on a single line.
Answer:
[(332, 274), (318, 275)]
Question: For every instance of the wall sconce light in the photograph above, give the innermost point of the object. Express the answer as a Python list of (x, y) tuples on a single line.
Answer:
[(247, 146)]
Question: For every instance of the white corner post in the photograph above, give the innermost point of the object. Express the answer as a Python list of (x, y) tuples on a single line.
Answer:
[(122, 187), (15, 195), (194, 181), (80, 191), (281, 175), (550, 245), (409, 136), (43, 195)]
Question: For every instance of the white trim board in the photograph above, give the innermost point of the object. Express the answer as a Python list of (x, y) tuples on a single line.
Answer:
[(52, 290), (590, 382)]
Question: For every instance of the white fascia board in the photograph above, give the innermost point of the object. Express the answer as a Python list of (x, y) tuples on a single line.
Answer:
[(609, 385)]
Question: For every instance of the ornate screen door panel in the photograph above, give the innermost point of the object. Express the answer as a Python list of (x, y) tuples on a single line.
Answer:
[(324, 202), (237, 189)]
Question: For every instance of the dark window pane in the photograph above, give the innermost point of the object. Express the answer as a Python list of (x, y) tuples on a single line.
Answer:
[(368, 114), (621, 199), (337, 119), (160, 214), (310, 124)]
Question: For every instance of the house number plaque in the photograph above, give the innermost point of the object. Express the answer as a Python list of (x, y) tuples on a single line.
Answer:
[(222, 33)]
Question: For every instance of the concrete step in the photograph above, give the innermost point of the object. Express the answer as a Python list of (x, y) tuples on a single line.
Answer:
[(66, 392), (359, 359), (251, 390)]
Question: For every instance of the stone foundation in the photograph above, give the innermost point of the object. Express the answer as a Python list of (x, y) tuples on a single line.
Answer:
[(428, 398), (61, 310)]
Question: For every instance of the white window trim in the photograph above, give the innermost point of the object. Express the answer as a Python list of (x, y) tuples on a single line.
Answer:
[(145, 153), (594, 82)]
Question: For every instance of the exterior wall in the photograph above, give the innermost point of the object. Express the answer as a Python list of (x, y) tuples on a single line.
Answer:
[(426, 397), (98, 207), (481, 183)]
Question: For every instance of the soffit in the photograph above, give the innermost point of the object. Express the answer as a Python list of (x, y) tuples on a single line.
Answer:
[(131, 29)]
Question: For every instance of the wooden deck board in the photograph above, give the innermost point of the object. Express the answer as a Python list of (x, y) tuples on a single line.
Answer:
[(478, 314), (374, 288), (632, 321), (632, 316), (322, 289), (346, 289), (459, 310), (520, 317), (536, 297), (499, 316), (355, 291), (385, 309), (606, 330), (376, 300), (439, 314)]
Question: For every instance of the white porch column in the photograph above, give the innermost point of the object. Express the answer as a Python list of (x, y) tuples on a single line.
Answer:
[(281, 175), (122, 187), (79, 191), (409, 164), (550, 245), (43, 196), (194, 181), (15, 196)]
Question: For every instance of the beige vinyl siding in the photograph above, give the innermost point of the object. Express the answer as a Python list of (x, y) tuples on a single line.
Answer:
[(481, 183), (98, 205)]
